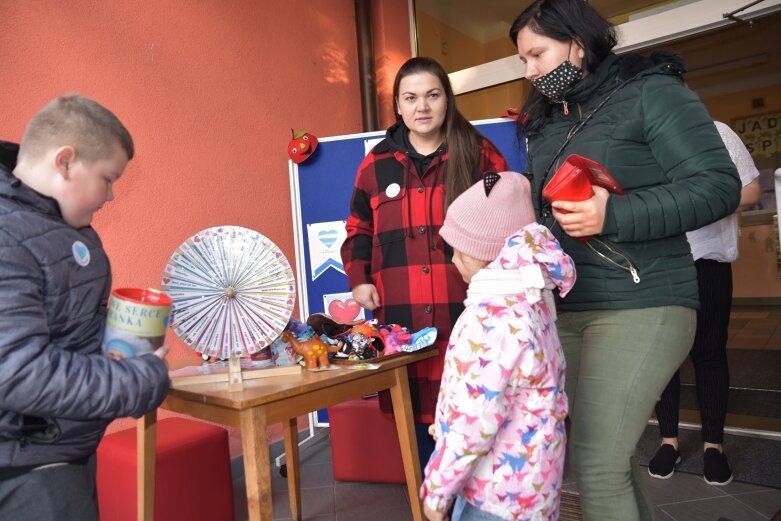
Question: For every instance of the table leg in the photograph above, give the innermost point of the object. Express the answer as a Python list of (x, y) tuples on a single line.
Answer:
[(290, 429), (405, 427), (146, 437), (257, 467)]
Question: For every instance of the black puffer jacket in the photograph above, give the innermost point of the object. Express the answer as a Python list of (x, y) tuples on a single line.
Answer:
[(658, 141), (57, 391)]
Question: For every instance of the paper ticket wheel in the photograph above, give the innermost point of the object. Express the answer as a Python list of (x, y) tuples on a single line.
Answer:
[(232, 291)]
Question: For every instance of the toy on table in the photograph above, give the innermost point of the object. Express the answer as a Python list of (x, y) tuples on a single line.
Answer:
[(365, 339), (314, 350)]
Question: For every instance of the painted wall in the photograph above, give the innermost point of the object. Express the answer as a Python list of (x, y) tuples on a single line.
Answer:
[(209, 90), (392, 47)]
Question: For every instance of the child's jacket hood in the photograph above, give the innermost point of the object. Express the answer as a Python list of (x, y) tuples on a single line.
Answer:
[(531, 260)]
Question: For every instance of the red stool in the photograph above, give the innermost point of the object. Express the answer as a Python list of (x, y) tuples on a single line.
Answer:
[(364, 443), (193, 478)]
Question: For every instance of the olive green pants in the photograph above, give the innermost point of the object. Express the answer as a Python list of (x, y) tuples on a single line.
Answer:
[(618, 363)]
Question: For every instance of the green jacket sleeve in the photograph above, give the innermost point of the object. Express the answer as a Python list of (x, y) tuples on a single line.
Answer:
[(700, 183)]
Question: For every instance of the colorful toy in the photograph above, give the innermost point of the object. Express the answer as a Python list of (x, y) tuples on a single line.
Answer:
[(301, 146), (314, 350), (366, 339)]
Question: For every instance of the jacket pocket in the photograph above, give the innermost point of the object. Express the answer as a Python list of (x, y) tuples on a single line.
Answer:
[(388, 251), (40, 430), (389, 209)]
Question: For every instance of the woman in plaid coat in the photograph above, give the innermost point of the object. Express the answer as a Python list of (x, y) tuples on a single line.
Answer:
[(397, 265)]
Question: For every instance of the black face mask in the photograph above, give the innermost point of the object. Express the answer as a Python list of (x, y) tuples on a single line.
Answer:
[(557, 82)]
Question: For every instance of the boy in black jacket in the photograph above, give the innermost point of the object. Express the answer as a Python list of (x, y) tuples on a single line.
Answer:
[(58, 392)]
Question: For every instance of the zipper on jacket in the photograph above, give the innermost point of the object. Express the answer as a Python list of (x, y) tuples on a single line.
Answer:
[(629, 267)]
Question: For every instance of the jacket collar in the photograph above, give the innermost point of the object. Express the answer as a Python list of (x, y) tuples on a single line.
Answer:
[(595, 82), (531, 262), (614, 69), (11, 187)]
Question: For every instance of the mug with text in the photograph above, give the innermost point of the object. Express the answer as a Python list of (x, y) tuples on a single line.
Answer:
[(137, 322)]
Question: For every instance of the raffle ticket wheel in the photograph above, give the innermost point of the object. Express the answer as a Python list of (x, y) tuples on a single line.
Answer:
[(232, 291)]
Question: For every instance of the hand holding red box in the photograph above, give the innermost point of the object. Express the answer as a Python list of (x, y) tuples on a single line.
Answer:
[(574, 179)]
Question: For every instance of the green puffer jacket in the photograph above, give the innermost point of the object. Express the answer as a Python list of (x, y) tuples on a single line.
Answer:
[(658, 141)]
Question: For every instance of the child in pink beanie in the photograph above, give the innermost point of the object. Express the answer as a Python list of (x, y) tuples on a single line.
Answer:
[(499, 425)]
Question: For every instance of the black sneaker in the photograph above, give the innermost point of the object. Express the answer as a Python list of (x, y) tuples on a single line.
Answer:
[(715, 467), (662, 465)]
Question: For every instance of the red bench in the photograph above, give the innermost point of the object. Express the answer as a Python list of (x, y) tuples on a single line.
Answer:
[(193, 478), (364, 443)]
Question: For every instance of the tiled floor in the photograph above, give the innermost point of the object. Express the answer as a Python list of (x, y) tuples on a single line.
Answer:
[(755, 327), (684, 497)]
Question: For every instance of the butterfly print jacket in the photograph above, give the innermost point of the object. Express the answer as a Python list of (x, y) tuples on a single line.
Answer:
[(500, 415)]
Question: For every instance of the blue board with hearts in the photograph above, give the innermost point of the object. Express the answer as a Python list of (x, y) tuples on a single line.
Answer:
[(321, 188)]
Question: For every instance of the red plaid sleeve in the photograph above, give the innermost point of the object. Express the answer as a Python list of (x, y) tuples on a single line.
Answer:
[(357, 248)]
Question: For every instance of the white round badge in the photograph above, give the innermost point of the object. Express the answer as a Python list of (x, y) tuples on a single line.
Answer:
[(80, 253), (393, 190)]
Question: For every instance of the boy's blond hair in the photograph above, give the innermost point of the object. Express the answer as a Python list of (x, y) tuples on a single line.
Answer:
[(73, 120)]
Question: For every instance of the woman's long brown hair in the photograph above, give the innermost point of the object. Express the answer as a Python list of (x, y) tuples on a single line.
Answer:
[(462, 139)]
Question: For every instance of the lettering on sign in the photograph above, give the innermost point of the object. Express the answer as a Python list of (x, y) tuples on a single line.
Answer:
[(760, 134)]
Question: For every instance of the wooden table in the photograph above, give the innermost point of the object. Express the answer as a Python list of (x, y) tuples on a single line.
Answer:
[(282, 399)]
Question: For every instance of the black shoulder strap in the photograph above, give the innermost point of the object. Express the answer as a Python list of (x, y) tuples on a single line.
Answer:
[(585, 120)]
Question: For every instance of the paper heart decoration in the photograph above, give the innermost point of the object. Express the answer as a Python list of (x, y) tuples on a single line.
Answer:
[(328, 237), (166, 280), (344, 311)]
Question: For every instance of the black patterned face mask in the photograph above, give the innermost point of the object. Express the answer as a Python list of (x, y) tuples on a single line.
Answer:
[(558, 81)]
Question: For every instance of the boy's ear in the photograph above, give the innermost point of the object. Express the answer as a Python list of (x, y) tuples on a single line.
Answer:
[(63, 158)]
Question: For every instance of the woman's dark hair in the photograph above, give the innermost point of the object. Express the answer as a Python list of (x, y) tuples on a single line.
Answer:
[(564, 21), (462, 139)]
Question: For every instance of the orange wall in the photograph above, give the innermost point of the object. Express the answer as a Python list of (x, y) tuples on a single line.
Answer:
[(392, 47), (209, 90)]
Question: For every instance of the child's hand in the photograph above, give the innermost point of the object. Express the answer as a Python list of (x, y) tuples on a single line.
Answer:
[(432, 432), (433, 515)]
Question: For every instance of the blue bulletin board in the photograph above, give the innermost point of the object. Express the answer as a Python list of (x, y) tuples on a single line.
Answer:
[(321, 189)]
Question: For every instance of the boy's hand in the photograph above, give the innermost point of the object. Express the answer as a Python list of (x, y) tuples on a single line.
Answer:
[(161, 352)]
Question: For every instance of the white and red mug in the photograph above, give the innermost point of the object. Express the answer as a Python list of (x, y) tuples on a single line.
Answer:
[(137, 322)]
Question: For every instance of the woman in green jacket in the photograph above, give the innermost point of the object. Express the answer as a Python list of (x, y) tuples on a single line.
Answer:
[(629, 321)]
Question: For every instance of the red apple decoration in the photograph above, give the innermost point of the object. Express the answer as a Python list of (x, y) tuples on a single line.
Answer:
[(301, 146)]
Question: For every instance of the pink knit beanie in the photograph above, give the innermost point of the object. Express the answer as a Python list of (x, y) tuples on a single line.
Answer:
[(479, 220)]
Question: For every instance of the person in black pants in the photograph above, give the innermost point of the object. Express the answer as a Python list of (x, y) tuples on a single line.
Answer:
[(714, 247)]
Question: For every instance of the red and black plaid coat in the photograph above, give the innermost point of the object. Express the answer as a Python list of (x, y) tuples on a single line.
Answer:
[(393, 242)]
